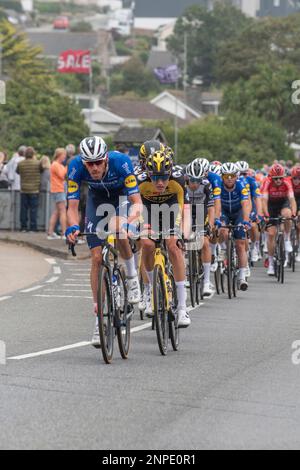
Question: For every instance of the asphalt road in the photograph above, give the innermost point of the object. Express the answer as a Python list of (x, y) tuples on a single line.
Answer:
[(232, 385)]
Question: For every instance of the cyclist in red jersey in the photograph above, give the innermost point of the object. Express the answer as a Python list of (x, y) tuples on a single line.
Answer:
[(278, 200), (295, 178)]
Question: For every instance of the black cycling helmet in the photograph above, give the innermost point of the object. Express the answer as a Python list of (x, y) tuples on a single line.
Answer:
[(159, 163), (149, 147)]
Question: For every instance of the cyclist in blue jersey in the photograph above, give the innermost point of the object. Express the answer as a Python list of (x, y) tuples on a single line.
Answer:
[(256, 215), (113, 203), (234, 197)]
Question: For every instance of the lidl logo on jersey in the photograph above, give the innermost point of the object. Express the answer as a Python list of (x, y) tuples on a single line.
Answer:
[(245, 192), (72, 187), (130, 182), (217, 191)]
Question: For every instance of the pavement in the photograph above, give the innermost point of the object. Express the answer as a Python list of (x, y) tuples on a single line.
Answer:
[(234, 383), (39, 242)]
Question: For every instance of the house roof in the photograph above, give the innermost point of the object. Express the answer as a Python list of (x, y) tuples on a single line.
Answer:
[(138, 135), (53, 43), (163, 8), (192, 113), (138, 109), (160, 59)]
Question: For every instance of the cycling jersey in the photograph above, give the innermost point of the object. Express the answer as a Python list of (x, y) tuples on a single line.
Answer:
[(215, 180), (252, 186), (104, 195), (277, 194), (231, 200), (296, 189), (202, 195), (175, 196), (118, 181)]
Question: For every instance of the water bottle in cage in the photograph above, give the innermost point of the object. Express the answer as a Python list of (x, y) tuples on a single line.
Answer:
[(116, 290)]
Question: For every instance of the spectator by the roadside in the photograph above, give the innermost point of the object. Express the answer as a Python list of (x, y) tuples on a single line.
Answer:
[(70, 153), (58, 174), (4, 183), (13, 177), (45, 175), (30, 173)]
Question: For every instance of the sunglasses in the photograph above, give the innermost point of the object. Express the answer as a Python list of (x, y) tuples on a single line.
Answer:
[(229, 177), (97, 163), (195, 180), (277, 178), (156, 178), (296, 178)]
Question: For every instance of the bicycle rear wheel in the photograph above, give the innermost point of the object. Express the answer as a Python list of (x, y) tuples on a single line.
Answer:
[(160, 310), (174, 330), (105, 315), (293, 255), (192, 276), (229, 269), (282, 258), (123, 316)]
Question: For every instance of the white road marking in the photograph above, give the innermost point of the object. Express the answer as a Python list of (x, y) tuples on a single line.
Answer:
[(79, 275), (5, 298), (68, 290), (76, 285), (64, 296), (50, 351), (56, 270), (52, 279), (81, 344), (31, 289), (2, 353), (50, 260)]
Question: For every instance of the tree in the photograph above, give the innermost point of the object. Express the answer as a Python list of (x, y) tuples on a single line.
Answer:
[(35, 114), (17, 55), (272, 41), (235, 137), (206, 31), (267, 94), (133, 76)]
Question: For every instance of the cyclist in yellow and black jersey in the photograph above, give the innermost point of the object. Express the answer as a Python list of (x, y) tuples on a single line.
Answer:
[(166, 209)]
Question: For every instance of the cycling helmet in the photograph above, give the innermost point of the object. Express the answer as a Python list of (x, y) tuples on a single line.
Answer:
[(216, 162), (93, 149), (149, 147), (229, 169), (159, 163), (277, 171), (295, 172), (197, 169), (205, 163), (169, 151), (243, 167), (215, 169)]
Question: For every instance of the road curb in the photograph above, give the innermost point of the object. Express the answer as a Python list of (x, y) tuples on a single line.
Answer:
[(43, 249)]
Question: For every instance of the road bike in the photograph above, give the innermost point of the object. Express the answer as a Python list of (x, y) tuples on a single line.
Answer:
[(114, 313)]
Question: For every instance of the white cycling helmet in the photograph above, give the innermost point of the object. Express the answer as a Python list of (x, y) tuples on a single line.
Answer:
[(243, 167), (197, 169), (229, 169), (93, 149), (215, 169), (204, 162)]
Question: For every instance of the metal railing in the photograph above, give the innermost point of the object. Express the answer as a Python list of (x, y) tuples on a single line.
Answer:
[(10, 203)]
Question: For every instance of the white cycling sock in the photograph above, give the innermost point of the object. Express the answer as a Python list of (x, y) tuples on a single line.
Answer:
[(271, 260), (181, 294), (206, 267), (150, 277), (213, 247), (130, 267), (242, 274)]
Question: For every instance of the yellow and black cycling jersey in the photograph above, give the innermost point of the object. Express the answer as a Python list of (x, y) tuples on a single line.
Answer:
[(175, 192)]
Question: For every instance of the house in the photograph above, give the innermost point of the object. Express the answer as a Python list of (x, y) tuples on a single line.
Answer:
[(100, 44), (173, 103), (211, 102)]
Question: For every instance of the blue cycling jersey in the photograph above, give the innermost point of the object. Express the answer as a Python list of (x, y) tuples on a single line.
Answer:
[(231, 200), (215, 181), (251, 185), (118, 181)]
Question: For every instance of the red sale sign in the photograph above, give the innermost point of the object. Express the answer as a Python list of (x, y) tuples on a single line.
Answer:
[(74, 62)]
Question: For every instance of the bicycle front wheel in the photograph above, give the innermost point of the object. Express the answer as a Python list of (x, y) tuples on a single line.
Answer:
[(229, 269), (123, 316), (105, 315), (173, 320), (160, 310)]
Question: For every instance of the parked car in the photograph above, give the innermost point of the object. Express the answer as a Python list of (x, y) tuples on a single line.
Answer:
[(62, 22)]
